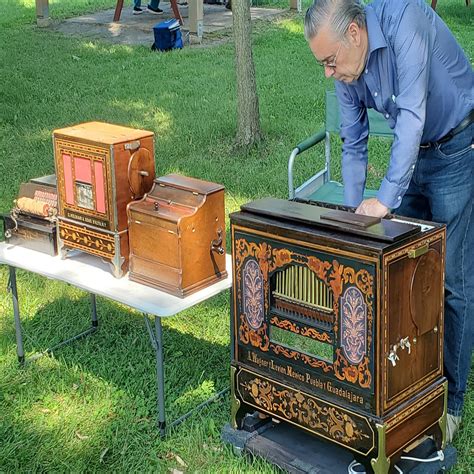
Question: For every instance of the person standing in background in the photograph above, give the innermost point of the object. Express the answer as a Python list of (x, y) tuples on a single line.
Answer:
[(152, 7)]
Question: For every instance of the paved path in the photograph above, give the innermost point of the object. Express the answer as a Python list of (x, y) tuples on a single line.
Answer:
[(138, 29)]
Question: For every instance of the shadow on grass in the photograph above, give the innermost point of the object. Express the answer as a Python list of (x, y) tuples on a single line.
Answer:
[(120, 354), (89, 391)]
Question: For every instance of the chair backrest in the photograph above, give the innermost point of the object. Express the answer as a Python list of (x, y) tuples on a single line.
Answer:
[(378, 126)]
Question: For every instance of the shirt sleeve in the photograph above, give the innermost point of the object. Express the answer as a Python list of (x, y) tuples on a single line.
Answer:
[(411, 42), (354, 134)]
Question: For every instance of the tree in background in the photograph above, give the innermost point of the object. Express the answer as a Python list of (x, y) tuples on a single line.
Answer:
[(248, 116)]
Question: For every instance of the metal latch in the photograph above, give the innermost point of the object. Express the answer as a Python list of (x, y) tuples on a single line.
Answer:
[(415, 253), (392, 356), (135, 145), (216, 245), (403, 343)]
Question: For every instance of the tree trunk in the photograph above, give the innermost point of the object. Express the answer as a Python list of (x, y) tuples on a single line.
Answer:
[(248, 118)]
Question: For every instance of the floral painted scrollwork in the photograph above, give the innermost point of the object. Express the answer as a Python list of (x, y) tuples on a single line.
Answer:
[(365, 281), (319, 267), (359, 374), (257, 338), (320, 336), (353, 325), (282, 258), (316, 415), (316, 363), (253, 294), (285, 324), (277, 349), (303, 330)]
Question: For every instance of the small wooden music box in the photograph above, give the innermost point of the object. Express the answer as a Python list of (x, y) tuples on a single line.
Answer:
[(32, 221), (100, 169), (177, 235), (338, 326)]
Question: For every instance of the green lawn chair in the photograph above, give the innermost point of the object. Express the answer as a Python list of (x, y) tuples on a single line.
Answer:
[(320, 187)]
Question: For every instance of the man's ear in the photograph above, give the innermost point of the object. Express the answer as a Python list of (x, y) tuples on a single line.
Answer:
[(354, 33)]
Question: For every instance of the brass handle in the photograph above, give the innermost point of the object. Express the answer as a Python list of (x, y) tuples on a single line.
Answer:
[(418, 252), (216, 245)]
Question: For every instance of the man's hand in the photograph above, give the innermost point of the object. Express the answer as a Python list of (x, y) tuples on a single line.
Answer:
[(372, 207)]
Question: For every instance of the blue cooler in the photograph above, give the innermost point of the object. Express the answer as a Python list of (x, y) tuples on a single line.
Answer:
[(167, 35)]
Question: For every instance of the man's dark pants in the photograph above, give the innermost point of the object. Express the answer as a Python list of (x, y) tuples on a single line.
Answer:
[(442, 190)]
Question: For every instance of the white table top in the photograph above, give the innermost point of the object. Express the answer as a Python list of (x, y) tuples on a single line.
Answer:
[(94, 275)]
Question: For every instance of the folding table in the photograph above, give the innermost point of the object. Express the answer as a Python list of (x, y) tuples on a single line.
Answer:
[(91, 274)]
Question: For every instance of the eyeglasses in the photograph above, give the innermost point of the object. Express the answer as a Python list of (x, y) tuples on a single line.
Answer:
[(331, 63)]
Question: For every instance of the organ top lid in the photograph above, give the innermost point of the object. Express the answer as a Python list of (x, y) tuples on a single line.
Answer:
[(386, 229)]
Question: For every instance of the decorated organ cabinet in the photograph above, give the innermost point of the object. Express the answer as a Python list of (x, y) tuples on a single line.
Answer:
[(100, 168), (337, 325)]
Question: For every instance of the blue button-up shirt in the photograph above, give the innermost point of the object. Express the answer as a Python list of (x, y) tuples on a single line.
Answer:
[(418, 77)]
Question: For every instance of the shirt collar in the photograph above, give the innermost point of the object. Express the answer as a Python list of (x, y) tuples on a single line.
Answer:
[(376, 37)]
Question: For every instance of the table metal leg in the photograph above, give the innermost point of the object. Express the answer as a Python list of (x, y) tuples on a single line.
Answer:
[(18, 330), (156, 338), (16, 313), (95, 321), (160, 376), (198, 407)]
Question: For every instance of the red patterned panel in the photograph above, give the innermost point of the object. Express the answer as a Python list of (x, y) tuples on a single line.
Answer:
[(82, 167), (68, 183), (99, 187)]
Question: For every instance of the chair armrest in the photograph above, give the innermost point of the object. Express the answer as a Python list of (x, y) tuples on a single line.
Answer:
[(300, 148), (311, 141)]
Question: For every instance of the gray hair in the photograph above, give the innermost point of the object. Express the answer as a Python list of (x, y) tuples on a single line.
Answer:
[(338, 13)]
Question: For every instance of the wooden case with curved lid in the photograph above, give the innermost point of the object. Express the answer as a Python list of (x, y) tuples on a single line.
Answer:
[(177, 235)]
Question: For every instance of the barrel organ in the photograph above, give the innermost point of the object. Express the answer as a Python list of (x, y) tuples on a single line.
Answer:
[(337, 325)]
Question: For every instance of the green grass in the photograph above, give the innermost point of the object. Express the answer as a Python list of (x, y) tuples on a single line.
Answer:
[(91, 407)]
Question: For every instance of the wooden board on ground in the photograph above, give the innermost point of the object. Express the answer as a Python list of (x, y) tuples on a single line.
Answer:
[(297, 452)]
